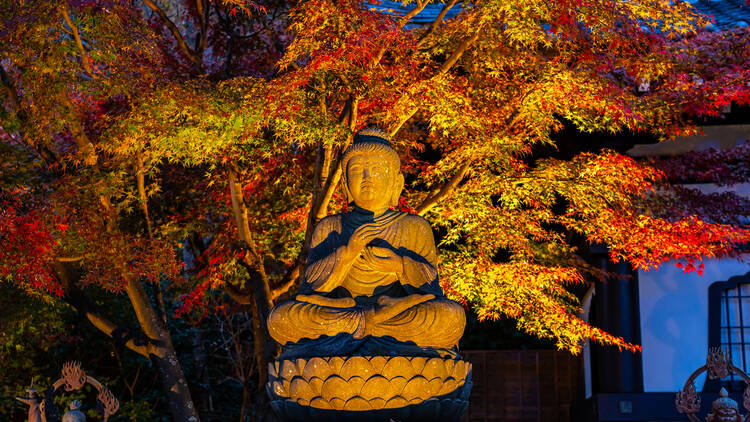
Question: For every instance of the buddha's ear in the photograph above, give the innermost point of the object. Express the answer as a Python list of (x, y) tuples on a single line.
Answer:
[(398, 186), (348, 194)]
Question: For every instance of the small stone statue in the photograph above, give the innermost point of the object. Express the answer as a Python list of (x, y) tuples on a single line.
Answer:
[(724, 409), (74, 414), (35, 415)]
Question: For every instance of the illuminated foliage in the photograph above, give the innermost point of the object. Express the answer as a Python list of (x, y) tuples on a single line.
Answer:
[(153, 136)]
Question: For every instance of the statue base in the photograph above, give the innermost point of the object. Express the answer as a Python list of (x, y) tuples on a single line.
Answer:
[(369, 388)]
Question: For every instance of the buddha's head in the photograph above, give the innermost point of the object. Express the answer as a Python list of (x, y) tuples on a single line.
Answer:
[(372, 171), (724, 409)]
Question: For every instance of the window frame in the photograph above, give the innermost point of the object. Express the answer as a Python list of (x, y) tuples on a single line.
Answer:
[(715, 294)]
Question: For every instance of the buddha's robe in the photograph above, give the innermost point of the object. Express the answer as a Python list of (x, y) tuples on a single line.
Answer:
[(437, 322)]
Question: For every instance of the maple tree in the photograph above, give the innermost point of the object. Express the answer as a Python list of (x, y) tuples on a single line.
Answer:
[(194, 144)]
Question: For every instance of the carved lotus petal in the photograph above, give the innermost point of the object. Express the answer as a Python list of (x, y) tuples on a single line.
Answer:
[(273, 369), (416, 388), (396, 402), (300, 389), (418, 364), (335, 386), (320, 403), (398, 366), (286, 386), (357, 403), (336, 364), (303, 402), (288, 369), (316, 367), (356, 383), (279, 390), (377, 386), (378, 362), (449, 385), (316, 384), (449, 365), (434, 386), (459, 370), (434, 368), (301, 363), (337, 403), (377, 403), (356, 366), (397, 386), (416, 401)]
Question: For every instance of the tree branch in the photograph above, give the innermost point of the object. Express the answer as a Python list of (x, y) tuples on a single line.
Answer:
[(335, 176), (77, 36), (78, 299), (403, 21), (239, 296), (203, 11), (446, 190), (176, 33), (47, 154), (437, 21), (458, 53), (442, 70), (404, 119)]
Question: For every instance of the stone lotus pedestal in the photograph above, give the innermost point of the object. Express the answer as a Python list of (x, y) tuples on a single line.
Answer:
[(370, 388)]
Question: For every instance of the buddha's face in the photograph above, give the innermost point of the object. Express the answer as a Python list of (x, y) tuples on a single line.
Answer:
[(370, 180)]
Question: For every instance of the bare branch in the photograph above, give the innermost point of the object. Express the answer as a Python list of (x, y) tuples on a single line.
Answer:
[(140, 179), (403, 21), (176, 33), (437, 21), (401, 122), (44, 151), (458, 53), (289, 280), (86, 150), (10, 88), (203, 11), (442, 70), (335, 177), (239, 296), (78, 299), (77, 36), (446, 190)]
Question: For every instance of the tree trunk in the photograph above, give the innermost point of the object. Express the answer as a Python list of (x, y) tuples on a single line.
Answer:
[(162, 353)]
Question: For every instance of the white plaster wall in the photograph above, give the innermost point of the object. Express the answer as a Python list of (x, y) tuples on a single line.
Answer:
[(673, 304), (674, 321), (674, 314), (719, 137)]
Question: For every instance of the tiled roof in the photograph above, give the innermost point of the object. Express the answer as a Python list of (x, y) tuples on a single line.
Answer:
[(426, 16), (726, 13)]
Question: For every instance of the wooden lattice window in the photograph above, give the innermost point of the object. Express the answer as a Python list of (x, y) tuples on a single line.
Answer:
[(729, 325)]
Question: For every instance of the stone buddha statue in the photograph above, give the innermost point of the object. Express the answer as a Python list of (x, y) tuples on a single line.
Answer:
[(724, 409), (371, 282)]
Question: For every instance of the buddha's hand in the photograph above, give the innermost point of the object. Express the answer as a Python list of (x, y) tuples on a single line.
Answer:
[(331, 302), (363, 235), (392, 306), (384, 260)]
